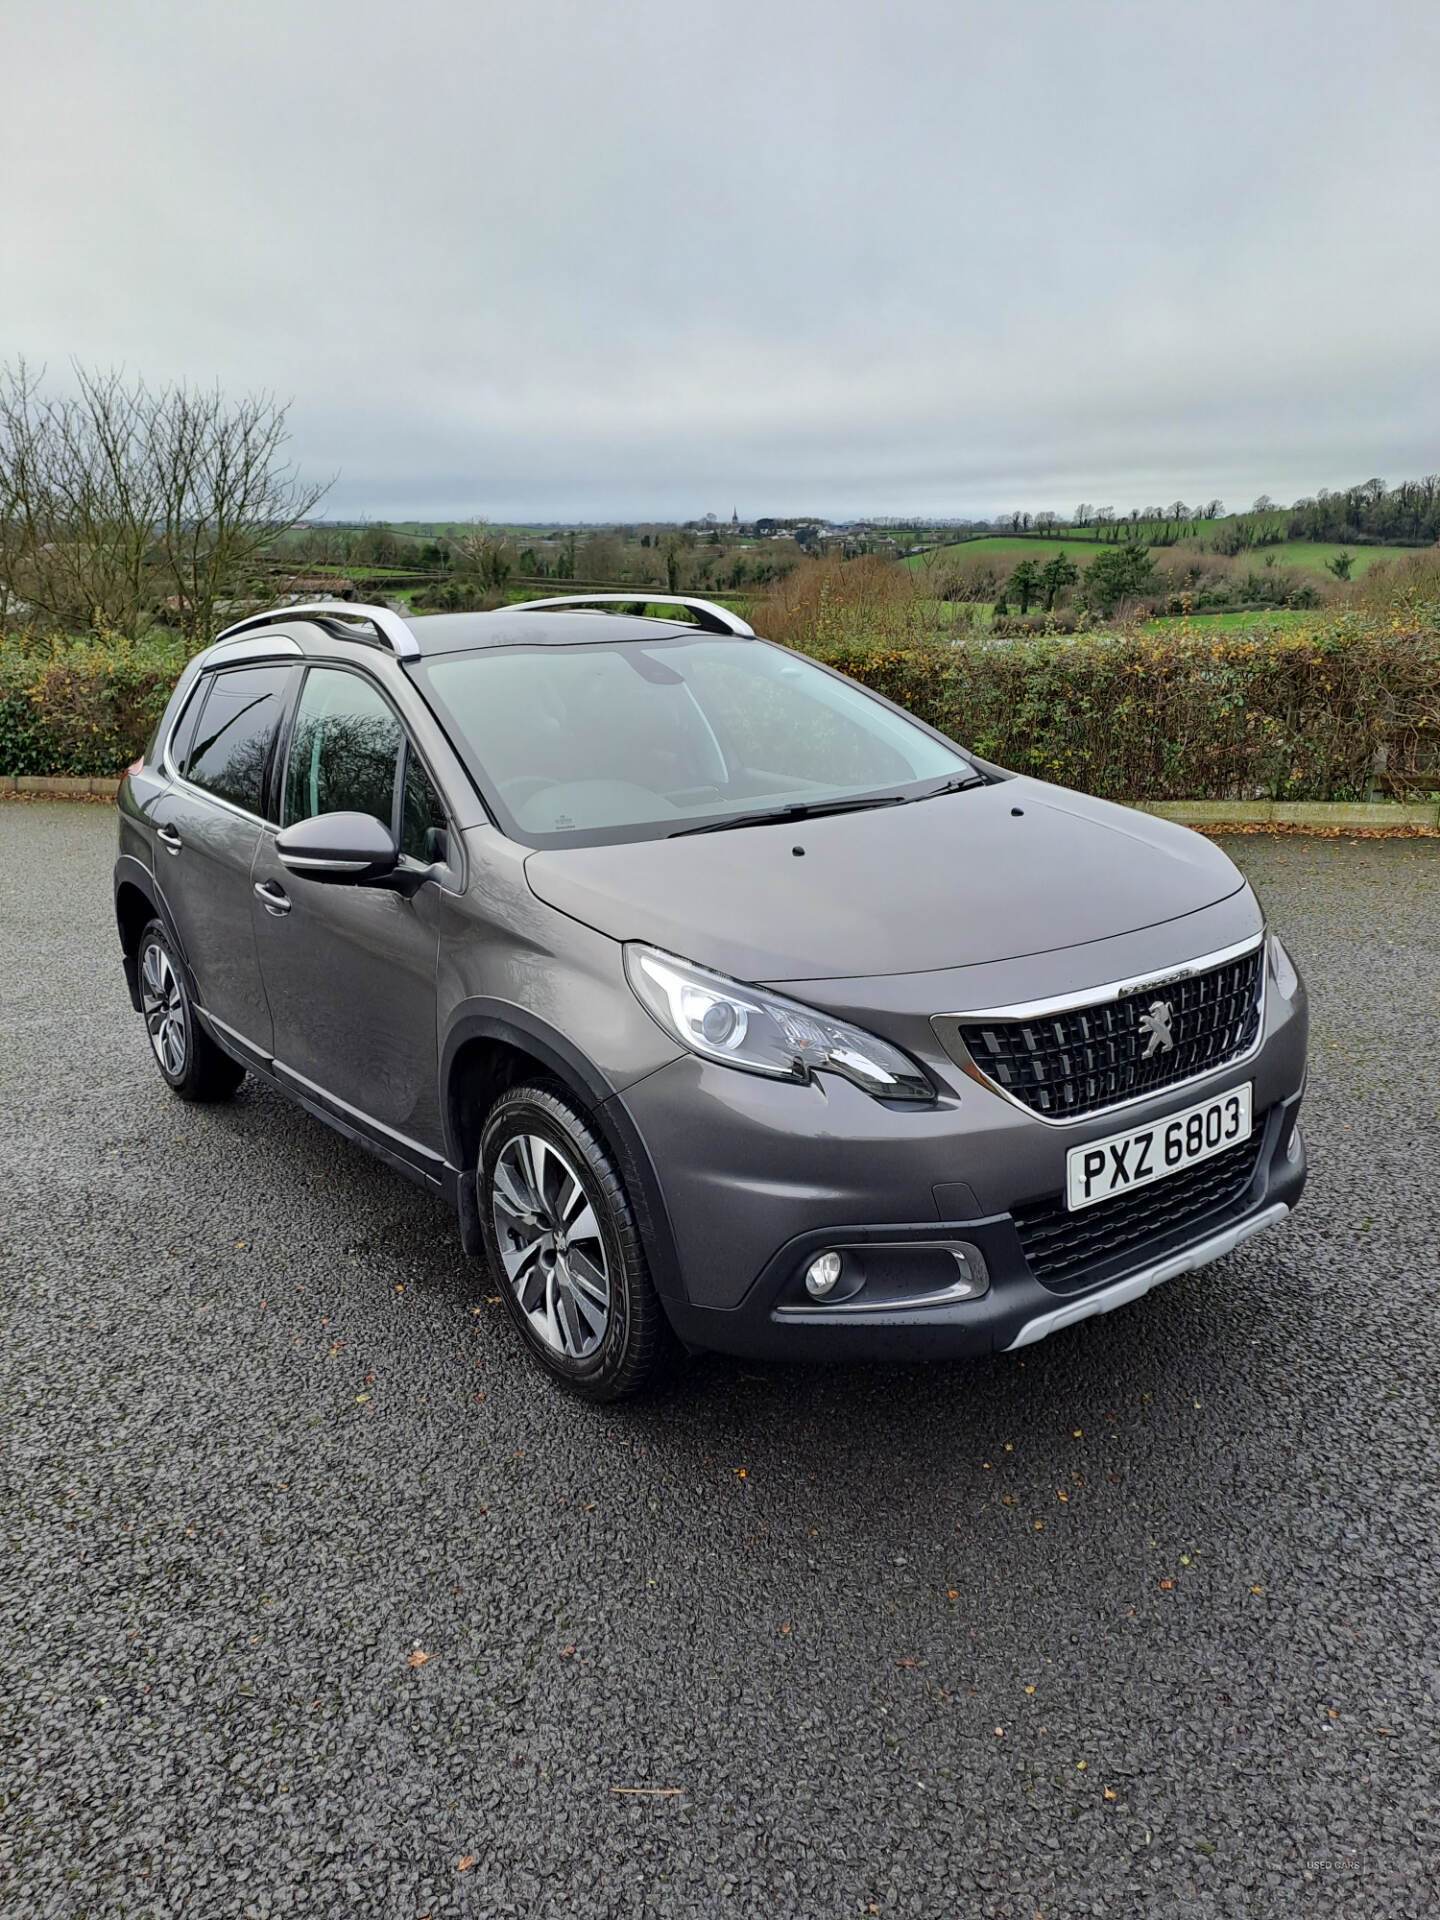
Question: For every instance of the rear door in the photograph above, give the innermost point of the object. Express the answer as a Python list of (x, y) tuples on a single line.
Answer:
[(350, 972), (207, 827)]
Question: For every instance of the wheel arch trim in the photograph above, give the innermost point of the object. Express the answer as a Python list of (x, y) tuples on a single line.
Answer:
[(132, 874), (604, 1105)]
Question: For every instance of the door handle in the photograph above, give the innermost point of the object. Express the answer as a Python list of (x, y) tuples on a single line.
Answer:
[(169, 838), (272, 896)]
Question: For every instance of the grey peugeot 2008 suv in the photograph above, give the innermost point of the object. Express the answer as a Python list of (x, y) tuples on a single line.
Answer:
[(729, 1005)]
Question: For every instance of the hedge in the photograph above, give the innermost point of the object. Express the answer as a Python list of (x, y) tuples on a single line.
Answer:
[(1304, 714), (83, 709), (1322, 714)]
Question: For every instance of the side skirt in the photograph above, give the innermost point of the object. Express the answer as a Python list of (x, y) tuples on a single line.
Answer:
[(432, 1173)]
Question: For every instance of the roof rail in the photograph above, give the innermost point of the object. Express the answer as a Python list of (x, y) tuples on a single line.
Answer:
[(391, 629), (708, 617)]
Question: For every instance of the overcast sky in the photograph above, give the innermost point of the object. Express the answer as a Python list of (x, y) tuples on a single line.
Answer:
[(647, 257)]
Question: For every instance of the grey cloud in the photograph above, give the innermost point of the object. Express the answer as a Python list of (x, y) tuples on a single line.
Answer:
[(565, 260)]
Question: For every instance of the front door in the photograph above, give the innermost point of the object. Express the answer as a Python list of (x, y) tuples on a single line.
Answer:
[(208, 826), (350, 971)]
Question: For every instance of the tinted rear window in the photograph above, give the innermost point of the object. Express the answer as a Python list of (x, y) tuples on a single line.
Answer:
[(236, 732)]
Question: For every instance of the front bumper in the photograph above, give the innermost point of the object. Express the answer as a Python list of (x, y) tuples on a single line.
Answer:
[(1017, 1310), (757, 1178)]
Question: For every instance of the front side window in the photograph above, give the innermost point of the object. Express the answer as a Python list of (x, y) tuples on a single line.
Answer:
[(577, 744), (234, 734), (344, 749)]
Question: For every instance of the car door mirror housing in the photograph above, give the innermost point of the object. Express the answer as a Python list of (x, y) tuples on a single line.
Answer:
[(345, 848)]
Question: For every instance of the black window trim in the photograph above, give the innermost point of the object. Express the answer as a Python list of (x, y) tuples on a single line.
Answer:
[(280, 764), (203, 686)]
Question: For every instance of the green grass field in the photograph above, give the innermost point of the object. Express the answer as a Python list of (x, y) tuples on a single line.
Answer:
[(1304, 556), (1008, 550), (1256, 618), (1310, 556)]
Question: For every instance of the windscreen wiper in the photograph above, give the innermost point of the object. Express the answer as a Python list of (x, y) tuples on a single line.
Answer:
[(801, 810), (955, 786)]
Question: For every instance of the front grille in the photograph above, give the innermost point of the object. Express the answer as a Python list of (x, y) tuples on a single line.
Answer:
[(1068, 1250), (1086, 1058)]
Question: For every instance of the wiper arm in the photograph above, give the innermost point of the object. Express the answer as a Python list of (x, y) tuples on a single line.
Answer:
[(956, 786), (801, 810)]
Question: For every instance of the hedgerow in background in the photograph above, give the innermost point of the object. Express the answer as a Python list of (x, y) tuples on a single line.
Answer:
[(1303, 713), (83, 708), (1293, 715)]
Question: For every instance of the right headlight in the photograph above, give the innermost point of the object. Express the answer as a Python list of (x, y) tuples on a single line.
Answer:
[(763, 1032), (1283, 969)]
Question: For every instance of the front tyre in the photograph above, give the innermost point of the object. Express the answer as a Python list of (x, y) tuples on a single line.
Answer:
[(562, 1243), (189, 1060)]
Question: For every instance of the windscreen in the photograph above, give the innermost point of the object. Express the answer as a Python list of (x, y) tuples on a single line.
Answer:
[(590, 743)]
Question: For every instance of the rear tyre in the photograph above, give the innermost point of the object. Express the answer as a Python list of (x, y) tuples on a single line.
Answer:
[(561, 1241), (190, 1063)]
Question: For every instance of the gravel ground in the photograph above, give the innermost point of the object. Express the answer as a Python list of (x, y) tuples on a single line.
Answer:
[(1142, 1622)]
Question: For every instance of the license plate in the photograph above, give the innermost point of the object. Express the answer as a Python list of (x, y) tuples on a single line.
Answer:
[(1124, 1161)]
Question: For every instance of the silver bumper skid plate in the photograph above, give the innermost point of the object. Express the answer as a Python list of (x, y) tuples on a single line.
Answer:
[(1135, 1284)]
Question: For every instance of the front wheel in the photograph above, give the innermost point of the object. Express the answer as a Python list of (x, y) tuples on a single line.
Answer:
[(562, 1243), (189, 1060)]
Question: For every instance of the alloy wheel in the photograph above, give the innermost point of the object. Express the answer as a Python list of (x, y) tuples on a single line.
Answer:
[(163, 1003), (550, 1243)]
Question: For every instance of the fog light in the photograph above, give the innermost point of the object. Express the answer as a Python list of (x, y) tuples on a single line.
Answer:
[(971, 1277), (821, 1275)]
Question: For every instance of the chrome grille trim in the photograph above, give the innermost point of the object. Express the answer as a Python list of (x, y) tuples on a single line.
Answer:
[(948, 1028)]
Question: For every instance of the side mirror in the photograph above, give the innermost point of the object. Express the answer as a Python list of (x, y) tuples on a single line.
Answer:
[(348, 848)]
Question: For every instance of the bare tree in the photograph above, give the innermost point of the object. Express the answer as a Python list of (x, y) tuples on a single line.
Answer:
[(119, 498), (486, 555)]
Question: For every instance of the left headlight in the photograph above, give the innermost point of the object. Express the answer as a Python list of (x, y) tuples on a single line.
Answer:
[(763, 1032)]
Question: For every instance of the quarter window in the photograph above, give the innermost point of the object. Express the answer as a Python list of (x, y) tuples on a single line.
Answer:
[(344, 751), (422, 817), (235, 733)]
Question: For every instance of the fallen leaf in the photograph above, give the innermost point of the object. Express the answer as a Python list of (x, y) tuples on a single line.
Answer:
[(1039, 1526), (785, 1628), (1109, 1793), (464, 1863), (567, 1653), (999, 1733), (1166, 1585), (907, 1663), (1075, 1433), (952, 1593), (1059, 1495), (1029, 1689), (417, 1658), (1257, 1589), (739, 1472), (1080, 1765), (360, 1398)]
